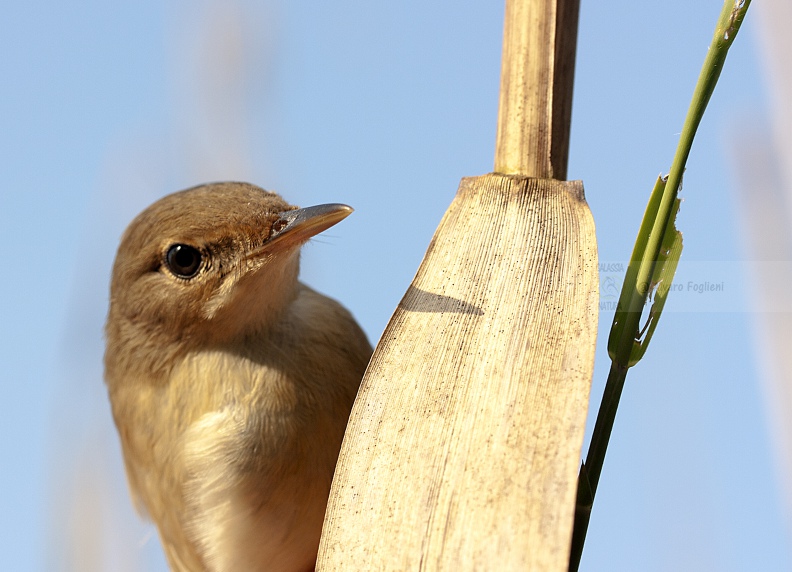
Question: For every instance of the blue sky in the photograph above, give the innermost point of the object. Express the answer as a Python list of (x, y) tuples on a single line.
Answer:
[(384, 107)]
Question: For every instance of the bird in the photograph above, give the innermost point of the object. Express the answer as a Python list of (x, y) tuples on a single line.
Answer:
[(230, 381)]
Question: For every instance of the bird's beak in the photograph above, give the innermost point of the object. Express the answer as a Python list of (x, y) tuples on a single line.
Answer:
[(295, 227)]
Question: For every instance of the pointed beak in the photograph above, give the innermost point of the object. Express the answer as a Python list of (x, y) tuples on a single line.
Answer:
[(295, 227)]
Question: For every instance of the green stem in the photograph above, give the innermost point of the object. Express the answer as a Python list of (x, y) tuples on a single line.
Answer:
[(591, 470), (729, 22), (624, 333), (604, 425)]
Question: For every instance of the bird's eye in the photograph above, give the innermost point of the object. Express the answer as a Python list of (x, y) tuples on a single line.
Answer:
[(183, 260)]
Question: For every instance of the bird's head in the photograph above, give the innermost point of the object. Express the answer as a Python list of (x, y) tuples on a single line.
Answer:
[(213, 261)]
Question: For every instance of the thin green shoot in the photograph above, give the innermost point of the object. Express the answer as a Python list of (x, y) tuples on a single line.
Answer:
[(650, 273)]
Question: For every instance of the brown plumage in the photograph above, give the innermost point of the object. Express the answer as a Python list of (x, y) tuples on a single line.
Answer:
[(230, 381)]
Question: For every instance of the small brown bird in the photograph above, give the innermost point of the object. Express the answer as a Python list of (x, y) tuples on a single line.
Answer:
[(230, 381)]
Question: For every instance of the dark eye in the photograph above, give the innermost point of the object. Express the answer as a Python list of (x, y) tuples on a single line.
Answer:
[(183, 260)]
